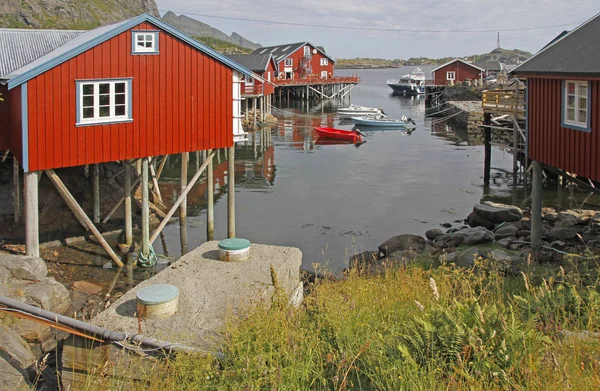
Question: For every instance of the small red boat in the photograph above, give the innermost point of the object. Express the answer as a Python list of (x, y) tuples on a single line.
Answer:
[(339, 134)]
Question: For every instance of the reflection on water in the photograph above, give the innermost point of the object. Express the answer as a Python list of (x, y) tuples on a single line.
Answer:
[(331, 198)]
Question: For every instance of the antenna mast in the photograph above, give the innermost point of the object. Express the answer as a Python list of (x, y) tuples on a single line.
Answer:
[(498, 41)]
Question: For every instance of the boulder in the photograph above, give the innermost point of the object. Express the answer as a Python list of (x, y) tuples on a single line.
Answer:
[(11, 378), (506, 231), (474, 220), (566, 220), (523, 233), (558, 233), (506, 242), (499, 255), (448, 241), (498, 213), (24, 268), (549, 217), (87, 287), (466, 258), (475, 235), (360, 260), (47, 294), (401, 243), (433, 233), (558, 244), (15, 347)]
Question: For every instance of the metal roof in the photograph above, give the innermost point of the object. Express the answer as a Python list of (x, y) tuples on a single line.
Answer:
[(493, 66), (254, 62), (89, 39), (575, 53), (280, 52), (457, 59), (19, 47)]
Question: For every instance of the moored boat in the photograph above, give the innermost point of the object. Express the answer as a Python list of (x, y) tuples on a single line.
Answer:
[(339, 134), (383, 122), (412, 83), (357, 111)]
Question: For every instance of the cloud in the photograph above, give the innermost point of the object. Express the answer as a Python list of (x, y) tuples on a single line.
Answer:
[(394, 14)]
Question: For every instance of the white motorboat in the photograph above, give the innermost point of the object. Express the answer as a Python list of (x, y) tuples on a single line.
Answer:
[(359, 111), (412, 84)]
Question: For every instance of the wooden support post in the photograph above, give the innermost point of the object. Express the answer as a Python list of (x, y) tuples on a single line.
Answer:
[(487, 159), (171, 211), (254, 112), (32, 234), (145, 210), (16, 191), (78, 211), (516, 135), (116, 207), (231, 193), (96, 191), (183, 206), (210, 208), (155, 182), (536, 206), (127, 198), (161, 167)]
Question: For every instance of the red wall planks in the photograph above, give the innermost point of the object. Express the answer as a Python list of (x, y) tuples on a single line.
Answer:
[(315, 63), (572, 150), (11, 121), (462, 72), (179, 104)]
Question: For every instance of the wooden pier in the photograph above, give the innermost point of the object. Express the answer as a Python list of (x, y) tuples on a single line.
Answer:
[(315, 88)]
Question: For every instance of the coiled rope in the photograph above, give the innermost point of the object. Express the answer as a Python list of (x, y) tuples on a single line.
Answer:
[(148, 261)]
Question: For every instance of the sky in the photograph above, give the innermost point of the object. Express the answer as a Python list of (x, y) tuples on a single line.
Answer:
[(442, 24)]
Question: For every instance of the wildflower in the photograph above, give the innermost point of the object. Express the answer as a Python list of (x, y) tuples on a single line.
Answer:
[(433, 285), (420, 306)]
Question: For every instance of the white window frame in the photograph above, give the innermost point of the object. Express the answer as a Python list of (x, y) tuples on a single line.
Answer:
[(112, 94), (147, 37), (249, 80), (581, 91), (323, 74), (449, 74), (324, 62), (307, 51), (289, 62)]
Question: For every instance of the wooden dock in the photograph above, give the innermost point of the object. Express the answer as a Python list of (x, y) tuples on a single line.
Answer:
[(501, 102)]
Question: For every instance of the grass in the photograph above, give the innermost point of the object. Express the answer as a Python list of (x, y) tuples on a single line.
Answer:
[(410, 328)]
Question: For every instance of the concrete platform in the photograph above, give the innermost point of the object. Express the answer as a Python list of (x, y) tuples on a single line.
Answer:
[(209, 290)]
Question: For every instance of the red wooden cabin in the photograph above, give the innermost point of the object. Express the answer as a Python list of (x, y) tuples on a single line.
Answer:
[(133, 89), (563, 102), (264, 66), (300, 60), (456, 71)]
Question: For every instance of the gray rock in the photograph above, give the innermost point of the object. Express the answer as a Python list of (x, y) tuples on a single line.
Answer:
[(498, 213), (474, 220), (550, 217), (475, 235), (433, 233), (5, 276), (16, 347), (401, 243), (523, 233), (47, 294), (558, 233), (557, 244), (448, 257), (11, 378), (506, 231), (499, 255), (78, 298), (584, 219), (24, 268), (448, 241), (566, 220), (506, 242), (466, 258)]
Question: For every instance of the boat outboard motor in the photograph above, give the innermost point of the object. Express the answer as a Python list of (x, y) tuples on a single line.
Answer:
[(412, 121), (357, 131)]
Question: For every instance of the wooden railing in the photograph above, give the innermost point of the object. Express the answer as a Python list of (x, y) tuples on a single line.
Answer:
[(317, 80), (504, 102), (252, 90)]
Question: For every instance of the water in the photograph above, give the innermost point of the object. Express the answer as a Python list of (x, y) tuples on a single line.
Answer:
[(334, 200)]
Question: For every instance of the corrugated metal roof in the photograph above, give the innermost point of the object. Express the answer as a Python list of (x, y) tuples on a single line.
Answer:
[(254, 62), (279, 52), (575, 53), (19, 47)]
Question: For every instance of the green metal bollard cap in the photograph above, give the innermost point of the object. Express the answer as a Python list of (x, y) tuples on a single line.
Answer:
[(157, 294), (234, 244)]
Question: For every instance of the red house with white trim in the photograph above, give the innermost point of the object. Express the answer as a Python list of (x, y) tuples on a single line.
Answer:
[(456, 71), (264, 66), (300, 60)]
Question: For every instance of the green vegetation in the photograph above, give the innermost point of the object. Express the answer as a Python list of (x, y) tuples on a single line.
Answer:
[(223, 46), (502, 55), (411, 328)]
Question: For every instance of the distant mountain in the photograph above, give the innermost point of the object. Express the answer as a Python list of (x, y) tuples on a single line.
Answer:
[(506, 56), (70, 14), (195, 28)]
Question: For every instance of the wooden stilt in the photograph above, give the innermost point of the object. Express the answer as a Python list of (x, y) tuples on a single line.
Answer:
[(32, 234), (487, 140), (127, 199), (231, 193), (86, 171), (145, 210), (161, 167), (16, 191), (183, 206), (78, 211), (118, 204), (254, 112), (155, 182), (210, 208), (170, 213), (96, 191), (536, 206)]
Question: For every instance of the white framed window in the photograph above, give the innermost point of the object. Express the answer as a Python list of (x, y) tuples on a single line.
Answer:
[(576, 103), (451, 75), (307, 51), (144, 42), (289, 62), (323, 74), (269, 75), (103, 101), (324, 62), (249, 80)]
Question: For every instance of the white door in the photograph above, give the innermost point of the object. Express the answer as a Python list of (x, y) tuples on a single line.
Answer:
[(323, 74)]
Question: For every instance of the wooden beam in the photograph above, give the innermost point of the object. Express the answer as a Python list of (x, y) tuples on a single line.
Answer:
[(155, 182), (161, 167), (210, 208), (16, 191), (96, 192), (32, 234), (145, 210), (231, 193), (116, 207), (536, 206), (127, 200), (183, 207), (191, 184), (78, 211)]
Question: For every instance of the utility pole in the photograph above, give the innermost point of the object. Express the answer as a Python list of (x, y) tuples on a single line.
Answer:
[(498, 41)]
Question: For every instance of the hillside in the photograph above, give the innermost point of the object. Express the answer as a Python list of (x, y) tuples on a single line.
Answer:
[(70, 14), (502, 55), (195, 28), (222, 46)]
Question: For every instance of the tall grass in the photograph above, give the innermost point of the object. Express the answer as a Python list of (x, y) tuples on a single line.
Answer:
[(410, 329)]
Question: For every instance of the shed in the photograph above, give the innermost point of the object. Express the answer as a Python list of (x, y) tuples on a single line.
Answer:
[(456, 71)]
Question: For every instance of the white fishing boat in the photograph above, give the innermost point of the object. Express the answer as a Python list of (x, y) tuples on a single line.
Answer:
[(382, 122), (359, 111), (411, 84)]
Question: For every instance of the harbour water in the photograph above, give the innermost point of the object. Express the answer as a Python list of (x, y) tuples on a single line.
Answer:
[(333, 200)]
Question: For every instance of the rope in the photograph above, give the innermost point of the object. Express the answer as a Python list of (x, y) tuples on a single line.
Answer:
[(446, 118), (147, 261)]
